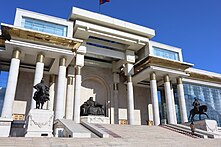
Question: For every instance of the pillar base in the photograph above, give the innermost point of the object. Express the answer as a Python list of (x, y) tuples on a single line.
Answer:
[(5, 126), (207, 125), (96, 119)]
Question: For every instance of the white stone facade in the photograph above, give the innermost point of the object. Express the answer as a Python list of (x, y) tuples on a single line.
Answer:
[(113, 61)]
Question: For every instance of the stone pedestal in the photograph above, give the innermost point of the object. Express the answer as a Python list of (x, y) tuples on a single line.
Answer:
[(39, 123), (96, 119), (5, 126), (207, 125)]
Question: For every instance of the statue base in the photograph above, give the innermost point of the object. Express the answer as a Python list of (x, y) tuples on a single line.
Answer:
[(5, 126), (207, 125), (96, 119), (39, 123)]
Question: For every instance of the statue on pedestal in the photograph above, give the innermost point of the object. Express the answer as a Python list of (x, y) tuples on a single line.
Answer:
[(41, 95), (197, 110), (91, 107)]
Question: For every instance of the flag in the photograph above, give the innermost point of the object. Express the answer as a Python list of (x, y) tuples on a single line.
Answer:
[(103, 1)]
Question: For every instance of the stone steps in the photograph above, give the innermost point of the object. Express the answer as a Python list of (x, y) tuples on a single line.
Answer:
[(130, 135)]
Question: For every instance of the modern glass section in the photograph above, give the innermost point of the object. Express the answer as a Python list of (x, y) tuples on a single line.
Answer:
[(209, 96), (3, 83), (166, 53), (43, 26)]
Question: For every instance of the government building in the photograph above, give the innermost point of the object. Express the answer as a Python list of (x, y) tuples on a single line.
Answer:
[(138, 81)]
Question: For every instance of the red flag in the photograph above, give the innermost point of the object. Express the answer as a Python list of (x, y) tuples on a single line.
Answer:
[(103, 1)]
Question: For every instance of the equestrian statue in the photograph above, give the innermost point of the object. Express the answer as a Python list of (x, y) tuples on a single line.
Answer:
[(41, 95), (197, 110)]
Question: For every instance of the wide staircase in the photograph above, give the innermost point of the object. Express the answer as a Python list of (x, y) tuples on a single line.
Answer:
[(119, 135)]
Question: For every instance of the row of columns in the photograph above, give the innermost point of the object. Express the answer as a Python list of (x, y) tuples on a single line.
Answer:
[(170, 104), (73, 87)]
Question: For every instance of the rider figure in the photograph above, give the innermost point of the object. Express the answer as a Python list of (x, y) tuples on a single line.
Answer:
[(196, 104), (42, 94)]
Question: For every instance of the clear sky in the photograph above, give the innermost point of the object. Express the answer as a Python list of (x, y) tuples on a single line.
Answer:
[(193, 25)]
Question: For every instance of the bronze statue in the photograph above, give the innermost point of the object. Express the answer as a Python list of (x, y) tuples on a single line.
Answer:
[(196, 104), (41, 95), (197, 110), (91, 107)]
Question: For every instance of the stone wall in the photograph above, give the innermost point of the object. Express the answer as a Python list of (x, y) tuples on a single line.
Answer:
[(98, 83)]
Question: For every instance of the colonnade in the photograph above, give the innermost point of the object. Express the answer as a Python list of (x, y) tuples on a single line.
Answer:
[(74, 79), (57, 102)]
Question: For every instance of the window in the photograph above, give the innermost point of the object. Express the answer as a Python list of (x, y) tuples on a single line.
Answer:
[(3, 83), (166, 53), (209, 96), (44, 26)]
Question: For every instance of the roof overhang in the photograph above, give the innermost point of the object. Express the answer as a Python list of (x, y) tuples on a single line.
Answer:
[(160, 62), (103, 20), (161, 67), (202, 75), (144, 76), (27, 35)]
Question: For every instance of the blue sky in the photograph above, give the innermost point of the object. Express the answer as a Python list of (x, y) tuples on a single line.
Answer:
[(193, 25)]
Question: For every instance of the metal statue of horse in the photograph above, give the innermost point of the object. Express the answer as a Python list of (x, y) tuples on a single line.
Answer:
[(202, 110), (41, 95)]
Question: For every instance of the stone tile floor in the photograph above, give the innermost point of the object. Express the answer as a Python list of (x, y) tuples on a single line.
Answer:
[(131, 136)]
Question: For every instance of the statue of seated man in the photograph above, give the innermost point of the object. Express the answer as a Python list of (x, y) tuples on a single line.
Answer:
[(91, 107)]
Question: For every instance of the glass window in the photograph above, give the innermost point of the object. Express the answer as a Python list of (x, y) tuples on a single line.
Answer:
[(3, 83), (44, 26), (209, 96), (166, 53)]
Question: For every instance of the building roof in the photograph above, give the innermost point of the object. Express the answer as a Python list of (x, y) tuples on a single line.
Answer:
[(92, 17), (204, 75)]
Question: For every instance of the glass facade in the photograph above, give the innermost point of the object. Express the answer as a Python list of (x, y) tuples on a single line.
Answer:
[(166, 53), (209, 96), (3, 83), (43, 26)]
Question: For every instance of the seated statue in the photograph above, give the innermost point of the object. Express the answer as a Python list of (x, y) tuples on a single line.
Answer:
[(91, 107)]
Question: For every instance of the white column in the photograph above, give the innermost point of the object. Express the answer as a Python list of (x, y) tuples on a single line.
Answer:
[(182, 101), (79, 62), (77, 95), (59, 107), (130, 101), (51, 92), (39, 71), (70, 99), (116, 81), (154, 98), (116, 106), (173, 103), (169, 103), (11, 85)]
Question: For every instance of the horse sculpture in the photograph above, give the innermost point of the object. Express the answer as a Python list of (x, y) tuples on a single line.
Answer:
[(41, 95), (202, 110)]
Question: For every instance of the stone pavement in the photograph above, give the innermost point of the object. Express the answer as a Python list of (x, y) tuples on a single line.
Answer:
[(127, 136)]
